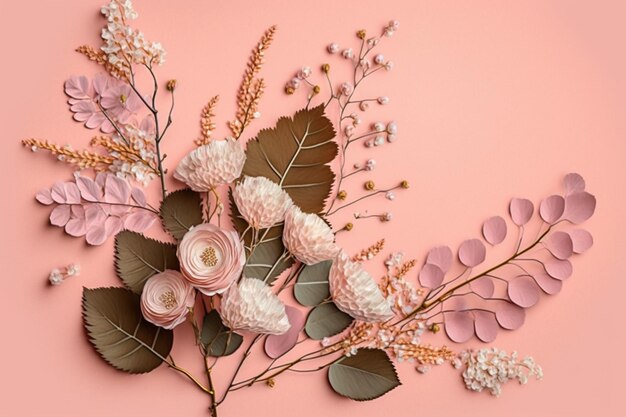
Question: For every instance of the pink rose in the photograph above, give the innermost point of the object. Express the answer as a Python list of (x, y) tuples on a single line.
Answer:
[(166, 299), (211, 259)]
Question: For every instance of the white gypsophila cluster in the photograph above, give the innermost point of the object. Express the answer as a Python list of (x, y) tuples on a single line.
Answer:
[(489, 368), (123, 44), (143, 142)]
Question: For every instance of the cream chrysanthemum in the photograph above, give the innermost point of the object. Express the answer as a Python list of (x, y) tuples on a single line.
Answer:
[(208, 166), (307, 237), (355, 292), (252, 306), (261, 202)]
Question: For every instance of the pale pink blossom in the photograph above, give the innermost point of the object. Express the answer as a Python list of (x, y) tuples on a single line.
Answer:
[(121, 102), (308, 237), (347, 88), (347, 53), (261, 202), (379, 59), (166, 299), (333, 48)]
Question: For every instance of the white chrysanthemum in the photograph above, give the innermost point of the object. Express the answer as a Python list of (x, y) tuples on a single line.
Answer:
[(252, 306), (307, 237), (355, 292), (208, 166), (261, 202)]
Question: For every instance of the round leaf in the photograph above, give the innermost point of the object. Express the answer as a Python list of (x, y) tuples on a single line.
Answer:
[(459, 326), (472, 252), (326, 320), (551, 208), (217, 338), (494, 230), (560, 245), (521, 210), (574, 183), (483, 286), (548, 284), (440, 256), (311, 287), (180, 211), (277, 345), (559, 269), (523, 291), (510, 316), (485, 326), (581, 240), (430, 276), (578, 207)]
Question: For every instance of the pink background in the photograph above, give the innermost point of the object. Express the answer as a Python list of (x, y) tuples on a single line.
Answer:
[(493, 99)]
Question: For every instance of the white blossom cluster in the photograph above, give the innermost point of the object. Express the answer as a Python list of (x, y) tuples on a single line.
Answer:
[(404, 297), (124, 45), (489, 368), (57, 275), (142, 141)]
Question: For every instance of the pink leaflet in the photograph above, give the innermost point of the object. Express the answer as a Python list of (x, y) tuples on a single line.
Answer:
[(113, 225), (485, 326), (510, 316), (581, 239), (494, 230), (76, 226), (551, 208), (579, 206), (58, 193), (559, 269), (44, 197), (548, 284), (521, 210), (483, 286), (77, 87), (88, 188), (138, 196), (523, 291), (440, 256), (96, 235), (430, 276), (277, 345), (139, 221), (116, 190), (560, 245), (459, 326), (60, 215), (72, 193), (573, 183), (472, 252)]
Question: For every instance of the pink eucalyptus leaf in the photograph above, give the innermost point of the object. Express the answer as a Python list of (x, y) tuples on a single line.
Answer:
[(494, 230), (523, 291), (113, 225), (96, 235), (95, 120), (83, 110), (57, 192), (472, 252), (581, 239), (116, 190), (485, 326), (139, 221), (94, 216), (483, 286), (559, 269), (44, 197), (574, 183), (78, 211), (76, 227), (88, 188), (72, 193), (521, 210), (277, 345), (430, 276), (77, 87), (147, 125), (548, 284), (101, 178), (579, 206), (510, 316), (459, 326), (102, 83), (138, 196), (60, 215), (440, 256), (560, 245), (551, 209)]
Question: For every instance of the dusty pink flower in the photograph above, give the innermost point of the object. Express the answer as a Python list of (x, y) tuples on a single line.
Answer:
[(211, 258), (166, 299), (208, 166), (347, 89), (355, 292), (261, 202), (307, 237), (252, 306), (121, 102)]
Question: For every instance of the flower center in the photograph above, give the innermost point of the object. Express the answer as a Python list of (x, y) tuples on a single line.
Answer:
[(123, 98), (168, 299), (209, 256)]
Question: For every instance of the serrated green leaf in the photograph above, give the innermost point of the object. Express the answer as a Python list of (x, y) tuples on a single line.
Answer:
[(217, 338), (137, 258), (326, 320), (365, 376), (311, 287), (120, 334), (295, 154), (180, 211)]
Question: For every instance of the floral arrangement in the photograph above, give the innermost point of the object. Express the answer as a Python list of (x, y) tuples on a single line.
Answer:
[(254, 224)]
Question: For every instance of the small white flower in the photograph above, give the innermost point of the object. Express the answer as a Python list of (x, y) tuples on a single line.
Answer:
[(368, 143), (347, 89), (304, 73), (348, 130), (379, 127), (73, 270), (370, 164), (379, 141), (56, 277), (390, 195), (389, 66), (371, 42), (364, 105), (392, 128), (347, 53), (325, 342), (382, 100), (379, 59), (295, 82), (386, 217), (333, 48), (391, 138)]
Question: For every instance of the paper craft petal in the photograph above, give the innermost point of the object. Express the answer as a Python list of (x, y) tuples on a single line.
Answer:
[(510, 316), (574, 183), (485, 326), (560, 244), (483, 286), (277, 345), (72, 194), (77, 87), (581, 239), (88, 188), (579, 207), (57, 192), (44, 197), (551, 208), (430, 276), (60, 215), (523, 291), (138, 196), (459, 326), (113, 225), (96, 235), (76, 227), (96, 119), (548, 284), (494, 230), (116, 190), (472, 252), (139, 221), (559, 269), (521, 210), (440, 256)]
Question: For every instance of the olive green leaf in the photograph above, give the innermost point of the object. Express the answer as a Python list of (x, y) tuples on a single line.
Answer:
[(137, 258), (311, 287), (295, 154), (326, 320), (365, 376), (120, 334), (218, 340), (180, 211)]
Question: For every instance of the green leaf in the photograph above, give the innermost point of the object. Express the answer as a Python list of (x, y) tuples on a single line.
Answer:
[(180, 211), (311, 287), (365, 376), (137, 258), (295, 154), (218, 339), (326, 320), (120, 334)]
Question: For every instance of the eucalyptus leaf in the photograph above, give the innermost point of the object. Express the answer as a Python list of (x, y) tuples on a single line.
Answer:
[(217, 338), (180, 211), (365, 376), (311, 287), (326, 320), (137, 258), (120, 334)]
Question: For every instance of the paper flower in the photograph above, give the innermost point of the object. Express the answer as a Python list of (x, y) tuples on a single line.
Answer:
[(211, 258), (355, 292), (307, 237), (121, 102), (261, 202), (251, 306), (166, 299), (206, 167)]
